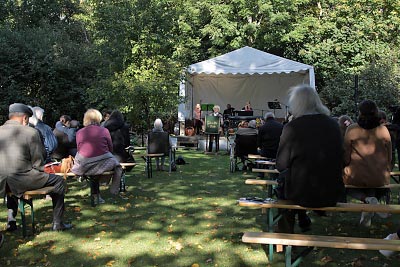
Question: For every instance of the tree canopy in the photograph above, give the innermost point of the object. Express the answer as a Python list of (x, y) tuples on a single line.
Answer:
[(68, 55)]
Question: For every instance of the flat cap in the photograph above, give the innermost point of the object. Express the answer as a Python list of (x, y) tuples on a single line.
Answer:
[(20, 108)]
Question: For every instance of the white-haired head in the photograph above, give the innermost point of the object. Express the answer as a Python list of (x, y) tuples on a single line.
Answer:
[(269, 115), (38, 113), (304, 100), (158, 124)]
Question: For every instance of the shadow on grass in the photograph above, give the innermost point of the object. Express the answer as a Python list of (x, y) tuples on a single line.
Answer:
[(184, 218)]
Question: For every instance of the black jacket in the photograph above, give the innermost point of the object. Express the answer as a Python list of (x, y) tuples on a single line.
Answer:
[(119, 132)]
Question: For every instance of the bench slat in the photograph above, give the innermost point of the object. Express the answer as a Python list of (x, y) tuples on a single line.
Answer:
[(40, 191), (321, 241), (71, 174), (350, 207), (274, 182)]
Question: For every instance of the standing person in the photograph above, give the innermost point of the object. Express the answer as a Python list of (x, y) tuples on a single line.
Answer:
[(119, 132), (269, 135), (215, 113), (94, 156), (198, 123), (309, 157), (367, 158), (50, 140), (22, 164)]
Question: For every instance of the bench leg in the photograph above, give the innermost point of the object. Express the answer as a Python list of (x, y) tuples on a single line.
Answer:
[(122, 182), (21, 204), (94, 189)]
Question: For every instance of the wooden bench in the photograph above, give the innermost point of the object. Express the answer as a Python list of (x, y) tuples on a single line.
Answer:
[(27, 199), (286, 204), (310, 241), (268, 184), (90, 179)]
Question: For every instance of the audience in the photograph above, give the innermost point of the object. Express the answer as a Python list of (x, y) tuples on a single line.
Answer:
[(22, 163), (393, 131), (344, 122), (309, 158), (65, 132), (367, 158), (269, 135), (156, 144), (94, 156), (49, 139), (119, 132)]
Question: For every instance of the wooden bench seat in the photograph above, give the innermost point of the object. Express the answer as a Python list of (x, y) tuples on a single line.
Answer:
[(274, 182), (290, 240), (348, 207), (27, 199)]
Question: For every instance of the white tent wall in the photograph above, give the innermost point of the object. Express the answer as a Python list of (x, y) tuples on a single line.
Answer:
[(245, 74), (239, 88)]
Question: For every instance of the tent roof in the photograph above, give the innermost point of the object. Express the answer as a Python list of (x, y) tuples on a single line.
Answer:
[(247, 60)]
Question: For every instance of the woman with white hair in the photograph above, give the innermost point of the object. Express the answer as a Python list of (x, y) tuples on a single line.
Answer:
[(158, 128), (309, 157)]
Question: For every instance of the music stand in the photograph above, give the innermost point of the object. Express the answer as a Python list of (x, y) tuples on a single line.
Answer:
[(274, 105)]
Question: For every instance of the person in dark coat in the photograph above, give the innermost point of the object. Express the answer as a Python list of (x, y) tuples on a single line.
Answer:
[(22, 164), (310, 157), (119, 132), (269, 135)]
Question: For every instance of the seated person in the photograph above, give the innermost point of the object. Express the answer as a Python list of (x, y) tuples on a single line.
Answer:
[(157, 145), (246, 141), (363, 168), (22, 164), (247, 107), (119, 132), (229, 111), (65, 132), (269, 135), (309, 158), (94, 156)]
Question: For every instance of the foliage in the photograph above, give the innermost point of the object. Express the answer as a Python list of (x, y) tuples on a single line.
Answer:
[(379, 82), (42, 62), (129, 54)]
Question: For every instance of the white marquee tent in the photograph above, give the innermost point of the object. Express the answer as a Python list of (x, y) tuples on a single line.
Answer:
[(245, 74)]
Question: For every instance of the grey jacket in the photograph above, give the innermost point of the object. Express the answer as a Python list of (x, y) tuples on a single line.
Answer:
[(21, 158)]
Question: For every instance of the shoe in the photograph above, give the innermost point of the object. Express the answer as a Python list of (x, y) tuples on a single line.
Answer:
[(374, 200), (12, 226), (305, 223), (1, 240), (98, 200), (366, 218), (389, 253), (61, 226)]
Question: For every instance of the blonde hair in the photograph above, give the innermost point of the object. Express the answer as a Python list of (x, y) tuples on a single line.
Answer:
[(217, 107), (92, 117), (304, 100)]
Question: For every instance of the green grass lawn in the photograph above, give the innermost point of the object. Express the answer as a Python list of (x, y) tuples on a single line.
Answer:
[(186, 218)]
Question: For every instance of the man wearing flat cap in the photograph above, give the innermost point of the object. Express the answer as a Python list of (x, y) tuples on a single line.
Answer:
[(21, 165)]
